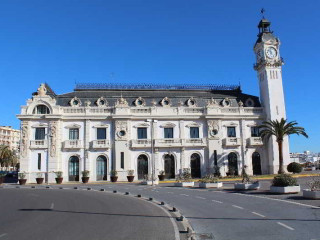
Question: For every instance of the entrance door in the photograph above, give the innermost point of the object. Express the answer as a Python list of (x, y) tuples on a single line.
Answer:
[(101, 168), (195, 166), (169, 167), (233, 164), (74, 168), (142, 166), (256, 163)]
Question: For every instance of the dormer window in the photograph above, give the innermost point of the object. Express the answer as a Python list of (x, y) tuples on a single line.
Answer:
[(41, 109)]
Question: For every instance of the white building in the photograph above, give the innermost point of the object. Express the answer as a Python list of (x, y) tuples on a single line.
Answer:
[(103, 127), (10, 137)]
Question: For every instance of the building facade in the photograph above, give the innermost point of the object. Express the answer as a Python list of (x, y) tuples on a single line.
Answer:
[(150, 128), (10, 137)]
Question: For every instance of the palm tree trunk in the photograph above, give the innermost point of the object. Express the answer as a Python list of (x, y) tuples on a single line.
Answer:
[(281, 170)]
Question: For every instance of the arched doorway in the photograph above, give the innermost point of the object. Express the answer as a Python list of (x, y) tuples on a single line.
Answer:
[(256, 164), (169, 167), (74, 168), (233, 164), (142, 166), (195, 165), (101, 170)]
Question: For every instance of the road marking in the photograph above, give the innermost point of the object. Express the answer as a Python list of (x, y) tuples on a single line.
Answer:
[(280, 200), (216, 201), (286, 226), (236, 206), (184, 195), (200, 197), (258, 214), (170, 192), (52, 206), (2, 235)]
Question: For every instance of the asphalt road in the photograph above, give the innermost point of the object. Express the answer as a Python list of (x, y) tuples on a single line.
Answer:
[(235, 215), (55, 214)]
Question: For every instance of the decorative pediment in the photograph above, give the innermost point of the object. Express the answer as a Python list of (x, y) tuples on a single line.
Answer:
[(101, 126), (226, 102), (42, 90), (168, 125), (166, 102), (240, 103), (232, 124), (38, 125), (140, 102), (101, 102), (191, 102), (141, 125), (193, 124), (73, 126), (75, 102)]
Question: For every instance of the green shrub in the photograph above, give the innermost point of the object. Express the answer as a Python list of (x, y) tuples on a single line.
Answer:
[(130, 172), (59, 174), (209, 179), (284, 180), (113, 173), (85, 173), (294, 167), (22, 175)]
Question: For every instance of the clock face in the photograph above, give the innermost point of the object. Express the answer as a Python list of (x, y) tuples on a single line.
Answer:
[(271, 52)]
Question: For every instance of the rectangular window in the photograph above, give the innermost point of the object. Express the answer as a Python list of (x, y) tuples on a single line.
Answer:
[(168, 132), (101, 133), (39, 161), (73, 133), (142, 133), (215, 158), (194, 132), (231, 131), (122, 160), (255, 132), (40, 133)]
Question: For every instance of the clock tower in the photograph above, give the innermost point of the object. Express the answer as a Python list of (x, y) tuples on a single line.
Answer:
[(269, 69)]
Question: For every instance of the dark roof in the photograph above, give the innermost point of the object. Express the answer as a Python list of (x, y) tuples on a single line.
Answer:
[(149, 95)]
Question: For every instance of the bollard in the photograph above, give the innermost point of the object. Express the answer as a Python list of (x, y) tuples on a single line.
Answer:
[(162, 203), (33, 186), (75, 188), (17, 186), (174, 209), (180, 218), (89, 188), (139, 195), (102, 190), (127, 193), (114, 191), (60, 187), (47, 187), (150, 199)]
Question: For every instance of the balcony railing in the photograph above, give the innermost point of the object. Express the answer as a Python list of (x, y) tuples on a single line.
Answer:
[(255, 141), (195, 142), (168, 142), (38, 144), (141, 143), (73, 144), (232, 141), (101, 143)]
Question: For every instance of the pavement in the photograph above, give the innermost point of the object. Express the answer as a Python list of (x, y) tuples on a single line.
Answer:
[(224, 214)]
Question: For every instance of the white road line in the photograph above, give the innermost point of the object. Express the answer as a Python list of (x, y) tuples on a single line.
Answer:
[(258, 214), (52, 206), (216, 201), (2, 235), (184, 195), (200, 197), (286, 226), (170, 192), (280, 200), (236, 206)]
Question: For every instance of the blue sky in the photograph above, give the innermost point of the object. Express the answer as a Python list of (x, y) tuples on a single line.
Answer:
[(169, 41)]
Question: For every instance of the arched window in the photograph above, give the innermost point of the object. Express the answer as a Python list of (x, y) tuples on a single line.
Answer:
[(233, 163), (41, 109), (256, 164), (142, 166)]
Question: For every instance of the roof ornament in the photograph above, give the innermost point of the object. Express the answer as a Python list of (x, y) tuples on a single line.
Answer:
[(121, 102), (240, 103), (42, 90), (262, 11), (212, 103), (154, 102)]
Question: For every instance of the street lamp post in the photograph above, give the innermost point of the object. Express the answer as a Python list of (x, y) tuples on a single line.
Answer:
[(152, 150), (47, 159)]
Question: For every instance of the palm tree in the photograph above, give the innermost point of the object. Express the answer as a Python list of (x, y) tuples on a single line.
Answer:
[(6, 156), (280, 129)]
